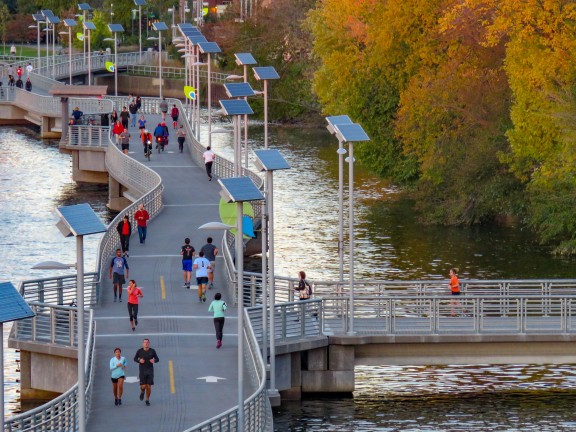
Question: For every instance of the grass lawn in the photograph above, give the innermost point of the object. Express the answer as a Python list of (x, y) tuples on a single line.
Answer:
[(23, 50)]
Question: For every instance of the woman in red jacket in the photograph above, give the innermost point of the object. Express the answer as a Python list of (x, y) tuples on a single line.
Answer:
[(124, 229), (117, 129)]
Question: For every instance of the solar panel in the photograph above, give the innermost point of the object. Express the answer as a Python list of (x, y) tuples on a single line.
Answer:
[(240, 189), (14, 307), (209, 47), (115, 28), (271, 160), (47, 12), (191, 31), (84, 6), (236, 90), (81, 219), (69, 22), (140, 2), (53, 19), (245, 59), (265, 73), (351, 132), (160, 26), (197, 38), (89, 25), (185, 26), (339, 119), (236, 107), (38, 17)]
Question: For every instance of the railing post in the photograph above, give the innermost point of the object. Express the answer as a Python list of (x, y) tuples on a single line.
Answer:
[(60, 292), (53, 325)]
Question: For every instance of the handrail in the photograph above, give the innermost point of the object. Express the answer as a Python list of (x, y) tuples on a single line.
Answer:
[(174, 72), (60, 414), (59, 290)]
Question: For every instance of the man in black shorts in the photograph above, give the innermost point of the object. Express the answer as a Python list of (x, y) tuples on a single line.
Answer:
[(146, 357), (187, 253)]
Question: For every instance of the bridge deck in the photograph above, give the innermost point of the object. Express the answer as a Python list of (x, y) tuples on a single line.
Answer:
[(179, 328)]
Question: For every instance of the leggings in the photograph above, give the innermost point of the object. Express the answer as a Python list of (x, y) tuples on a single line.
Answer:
[(219, 326), (133, 311)]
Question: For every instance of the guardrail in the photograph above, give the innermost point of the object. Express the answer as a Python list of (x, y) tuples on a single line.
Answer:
[(89, 136), (59, 290), (173, 72), (257, 411), (60, 414)]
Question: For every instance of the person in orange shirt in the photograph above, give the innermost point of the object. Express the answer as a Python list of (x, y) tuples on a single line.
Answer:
[(454, 282), (134, 293)]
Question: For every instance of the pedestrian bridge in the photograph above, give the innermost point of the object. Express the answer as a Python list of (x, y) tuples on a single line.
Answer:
[(318, 342)]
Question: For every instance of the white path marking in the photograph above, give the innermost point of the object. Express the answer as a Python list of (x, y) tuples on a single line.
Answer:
[(211, 379)]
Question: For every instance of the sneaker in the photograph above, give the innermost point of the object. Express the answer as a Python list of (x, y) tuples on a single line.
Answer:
[(199, 299), (116, 402), (114, 299), (136, 322), (147, 403), (186, 285), (120, 299), (142, 395), (218, 344), (211, 285), (119, 401), (133, 329), (203, 297)]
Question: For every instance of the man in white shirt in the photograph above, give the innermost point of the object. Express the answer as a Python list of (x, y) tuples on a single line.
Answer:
[(209, 157), (29, 69), (202, 266)]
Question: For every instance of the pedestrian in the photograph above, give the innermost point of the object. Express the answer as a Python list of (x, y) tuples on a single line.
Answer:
[(201, 265), (117, 371), (19, 71), (125, 141), (104, 120), (147, 141), (163, 108), (28, 85), (133, 294), (19, 83), (77, 114), (187, 252), (142, 217), (10, 72), (181, 135), (118, 267), (138, 103), (114, 117), (146, 357), (175, 113), (142, 124), (124, 228), (11, 81), (218, 306), (124, 116), (117, 129), (210, 253), (304, 288), (133, 111), (209, 158), (13, 50), (29, 69)]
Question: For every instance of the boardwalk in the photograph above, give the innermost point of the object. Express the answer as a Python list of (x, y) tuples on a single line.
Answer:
[(179, 327)]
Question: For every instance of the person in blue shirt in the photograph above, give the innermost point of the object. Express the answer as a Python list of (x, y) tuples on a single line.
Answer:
[(77, 114), (218, 306), (118, 266), (117, 368)]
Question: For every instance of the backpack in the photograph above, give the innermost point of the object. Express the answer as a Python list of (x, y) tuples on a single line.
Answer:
[(305, 289)]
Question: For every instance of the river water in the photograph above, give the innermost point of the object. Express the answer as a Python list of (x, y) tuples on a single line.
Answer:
[(36, 178)]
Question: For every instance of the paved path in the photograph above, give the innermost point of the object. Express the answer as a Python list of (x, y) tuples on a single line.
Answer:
[(179, 328)]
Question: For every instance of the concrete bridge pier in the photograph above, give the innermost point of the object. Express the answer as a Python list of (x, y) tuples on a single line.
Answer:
[(117, 200)]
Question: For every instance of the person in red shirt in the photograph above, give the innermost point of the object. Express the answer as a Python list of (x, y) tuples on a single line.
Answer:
[(117, 129), (124, 229), (134, 293), (454, 286), (142, 217)]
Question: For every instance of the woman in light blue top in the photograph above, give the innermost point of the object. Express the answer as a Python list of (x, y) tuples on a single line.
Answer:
[(218, 306), (117, 368)]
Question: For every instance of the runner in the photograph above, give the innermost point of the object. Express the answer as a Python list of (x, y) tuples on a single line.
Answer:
[(201, 265), (187, 253), (117, 267), (218, 306), (146, 357), (133, 294), (142, 217), (117, 368), (210, 253), (209, 157)]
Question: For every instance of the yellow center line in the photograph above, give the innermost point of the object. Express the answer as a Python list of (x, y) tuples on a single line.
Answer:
[(171, 371), (163, 287)]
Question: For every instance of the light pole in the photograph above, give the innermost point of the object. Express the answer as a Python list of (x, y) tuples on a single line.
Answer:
[(240, 190), (39, 18), (69, 23), (46, 13), (88, 27), (172, 10), (195, 39), (115, 29), (270, 161), (159, 27), (244, 60), (53, 20), (351, 133), (209, 48), (78, 220), (332, 121), (84, 7), (237, 91), (265, 73), (140, 3)]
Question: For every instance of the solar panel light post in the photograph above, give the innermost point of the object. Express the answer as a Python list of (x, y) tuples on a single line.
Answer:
[(236, 91), (140, 3), (14, 308), (39, 18), (244, 60), (350, 133), (236, 108), (159, 27), (79, 220), (270, 161), (69, 23), (265, 73), (209, 48), (85, 8), (115, 29), (46, 13), (240, 190), (88, 27), (333, 120), (52, 19)]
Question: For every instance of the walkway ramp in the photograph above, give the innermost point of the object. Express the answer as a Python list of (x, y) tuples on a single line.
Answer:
[(180, 328)]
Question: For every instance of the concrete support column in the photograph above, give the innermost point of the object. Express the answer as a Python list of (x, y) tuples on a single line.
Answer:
[(65, 116), (116, 199)]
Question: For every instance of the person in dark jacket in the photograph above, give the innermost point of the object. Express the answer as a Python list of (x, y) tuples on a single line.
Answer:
[(19, 83), (133, 111), (104, 120), (28, 85), (77, 114), (124, 229)]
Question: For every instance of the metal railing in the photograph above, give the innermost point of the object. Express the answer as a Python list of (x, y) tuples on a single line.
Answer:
[(59, 290), (60, 414), (89, 136), (173, 72), (257, 411)]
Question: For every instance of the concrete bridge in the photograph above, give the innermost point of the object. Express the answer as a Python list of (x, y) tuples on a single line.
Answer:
[(394, 322)]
